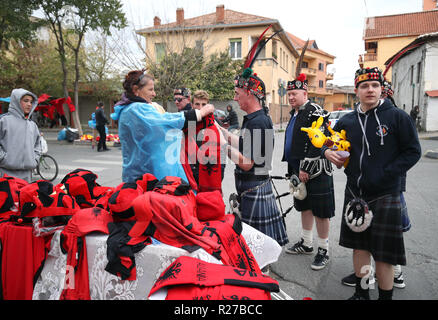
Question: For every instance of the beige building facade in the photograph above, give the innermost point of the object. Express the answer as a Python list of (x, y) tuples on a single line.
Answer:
[(236, 32), (314, 66)]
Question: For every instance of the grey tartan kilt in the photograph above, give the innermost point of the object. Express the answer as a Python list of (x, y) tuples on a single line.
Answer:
[(320, 197), (259, 209), (384, 237)]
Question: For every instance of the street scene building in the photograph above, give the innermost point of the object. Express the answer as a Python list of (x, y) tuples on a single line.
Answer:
[(415, 84), (201, 166)]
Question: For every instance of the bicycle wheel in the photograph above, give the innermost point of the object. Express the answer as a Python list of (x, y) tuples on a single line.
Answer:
[(47, 167)]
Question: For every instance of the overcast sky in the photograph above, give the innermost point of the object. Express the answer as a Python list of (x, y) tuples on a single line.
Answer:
[(337, 26)]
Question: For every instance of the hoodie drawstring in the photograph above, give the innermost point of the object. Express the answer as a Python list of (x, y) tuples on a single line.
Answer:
[(359, 110), (380, 127), (362, 126)]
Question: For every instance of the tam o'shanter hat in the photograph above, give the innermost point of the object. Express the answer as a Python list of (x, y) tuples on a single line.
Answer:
[(185, 92), (248, 79), (387, 90), (368, 74), (300, 83)]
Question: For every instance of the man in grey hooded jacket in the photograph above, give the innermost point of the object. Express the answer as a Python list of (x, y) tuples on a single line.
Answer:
[(20, 144)]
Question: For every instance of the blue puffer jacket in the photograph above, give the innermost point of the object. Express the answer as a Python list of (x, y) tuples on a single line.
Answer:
[(151, 141)]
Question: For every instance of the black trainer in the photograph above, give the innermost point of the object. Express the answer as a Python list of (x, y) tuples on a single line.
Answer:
[(299, 248), (321, 259), (357, 296), (350, 280), (399, 282)]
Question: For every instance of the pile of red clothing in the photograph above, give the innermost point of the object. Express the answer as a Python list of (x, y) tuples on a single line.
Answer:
[(131, 214)]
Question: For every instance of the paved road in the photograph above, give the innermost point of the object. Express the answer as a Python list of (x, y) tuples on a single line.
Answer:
[(293, 272)]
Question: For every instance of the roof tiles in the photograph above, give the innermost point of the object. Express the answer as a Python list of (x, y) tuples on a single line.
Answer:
[(408, 24)]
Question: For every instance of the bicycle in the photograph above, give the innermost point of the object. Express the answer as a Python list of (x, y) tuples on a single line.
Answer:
[(47, 167)]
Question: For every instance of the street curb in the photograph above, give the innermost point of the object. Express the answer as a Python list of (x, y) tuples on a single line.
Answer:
[(431, 154)]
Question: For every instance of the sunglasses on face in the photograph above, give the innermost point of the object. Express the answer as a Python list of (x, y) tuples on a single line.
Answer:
[(179, 99)]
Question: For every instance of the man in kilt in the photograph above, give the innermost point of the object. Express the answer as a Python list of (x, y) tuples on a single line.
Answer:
[(304, 160), (384, 146), (251, 151)]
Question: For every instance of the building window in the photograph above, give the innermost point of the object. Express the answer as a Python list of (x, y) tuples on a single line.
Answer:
[(274, 50), (284, 59), (321, 83), (371, 47), (304, 64), (412, 74), (159, 51), (321, 66), (262, 53), (281, 57), (419, 72), (236, 48)]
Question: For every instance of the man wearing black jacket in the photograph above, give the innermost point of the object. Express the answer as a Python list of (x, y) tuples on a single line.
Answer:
[(384, 146), (231, 118), (304, 160), (182, 98), (101, 121)]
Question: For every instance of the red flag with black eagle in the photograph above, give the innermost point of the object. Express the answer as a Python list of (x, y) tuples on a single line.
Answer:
[(203, 148)]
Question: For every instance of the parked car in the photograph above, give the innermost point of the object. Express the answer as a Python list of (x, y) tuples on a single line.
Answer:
[(336, 115)]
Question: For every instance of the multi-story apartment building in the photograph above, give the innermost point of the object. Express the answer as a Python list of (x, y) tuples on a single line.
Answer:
[(233, 31), (314, 66), (386, 35)]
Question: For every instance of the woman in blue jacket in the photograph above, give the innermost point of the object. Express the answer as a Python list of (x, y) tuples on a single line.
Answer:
[(151, 140)]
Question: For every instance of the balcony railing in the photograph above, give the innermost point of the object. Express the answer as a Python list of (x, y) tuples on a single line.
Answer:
[(329, 76), (309, 71), (311, 89), (370, 57)]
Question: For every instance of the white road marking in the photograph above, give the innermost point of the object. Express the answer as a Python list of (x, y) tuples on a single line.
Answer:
[(98, 161), (71, 168)]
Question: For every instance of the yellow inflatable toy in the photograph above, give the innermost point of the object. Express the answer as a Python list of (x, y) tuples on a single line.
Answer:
[(337, 141)]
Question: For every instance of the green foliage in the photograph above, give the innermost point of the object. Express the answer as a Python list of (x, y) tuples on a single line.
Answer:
[(176, 70), (189, 69), (15, 22), (35, 67), (218, 76)]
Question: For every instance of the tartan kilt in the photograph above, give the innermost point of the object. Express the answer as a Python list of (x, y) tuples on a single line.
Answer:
[(406, 222), (384, 237), (320, 197), (259, 209)]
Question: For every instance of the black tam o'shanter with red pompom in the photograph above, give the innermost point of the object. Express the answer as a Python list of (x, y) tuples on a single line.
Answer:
[(300, 83)]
